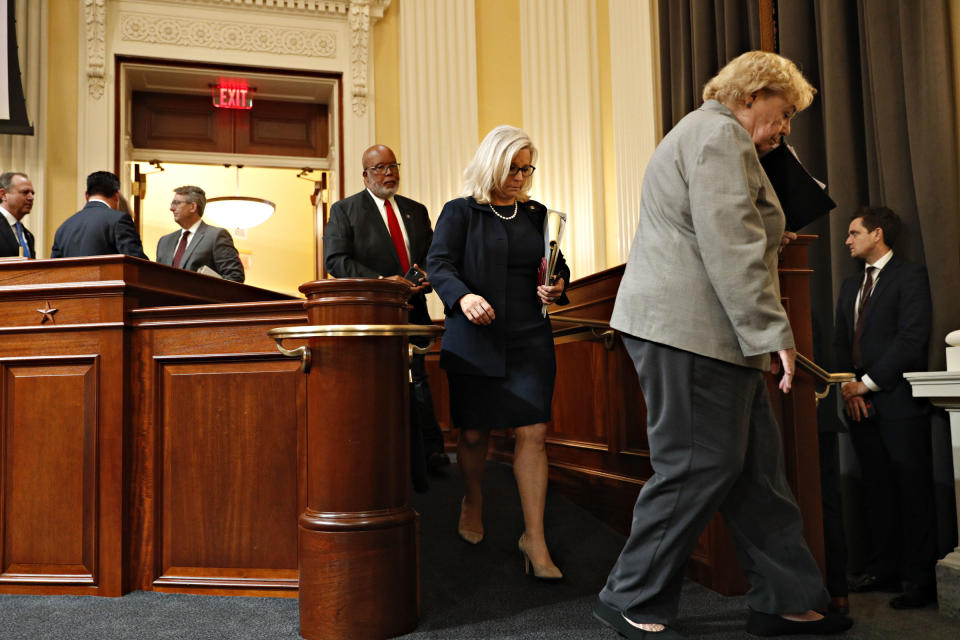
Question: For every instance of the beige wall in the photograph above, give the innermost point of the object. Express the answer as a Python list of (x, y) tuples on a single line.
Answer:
[(64, 186), (498, 85), (498, 65), (386, 80)]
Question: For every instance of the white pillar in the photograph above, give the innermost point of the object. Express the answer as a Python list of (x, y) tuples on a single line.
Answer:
[(943, 390)]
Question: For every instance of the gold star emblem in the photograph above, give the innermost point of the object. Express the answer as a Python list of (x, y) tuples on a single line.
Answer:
[(47, 312)]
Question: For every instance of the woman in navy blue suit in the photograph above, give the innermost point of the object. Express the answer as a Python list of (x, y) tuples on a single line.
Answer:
[(498, 348)]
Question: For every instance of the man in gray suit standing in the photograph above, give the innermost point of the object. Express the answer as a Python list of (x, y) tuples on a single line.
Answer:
[(198, 244), (700, 313)]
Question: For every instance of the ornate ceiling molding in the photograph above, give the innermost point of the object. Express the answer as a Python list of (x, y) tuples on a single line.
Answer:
[(328, 7), (237, 36), (95, 14)]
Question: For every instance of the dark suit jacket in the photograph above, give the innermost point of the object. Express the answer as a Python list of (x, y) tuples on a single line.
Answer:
[(9, 246), (97, 230), (210, 246), (357, 244), (469, 255), (896, 332)]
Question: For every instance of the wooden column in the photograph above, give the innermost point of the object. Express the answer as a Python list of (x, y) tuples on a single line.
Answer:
[(359, 568)]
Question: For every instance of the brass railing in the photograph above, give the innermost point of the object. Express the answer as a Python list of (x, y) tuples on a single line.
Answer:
[(601, 332), (346, 330)]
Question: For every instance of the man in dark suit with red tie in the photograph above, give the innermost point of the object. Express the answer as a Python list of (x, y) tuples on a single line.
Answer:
[(883, 330), (16, 201), (378, 234)]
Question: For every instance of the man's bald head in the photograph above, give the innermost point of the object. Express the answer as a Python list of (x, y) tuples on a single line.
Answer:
[(381, 172)]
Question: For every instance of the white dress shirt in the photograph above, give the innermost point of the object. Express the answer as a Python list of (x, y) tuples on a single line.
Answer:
[(396, 210), (878, 266)]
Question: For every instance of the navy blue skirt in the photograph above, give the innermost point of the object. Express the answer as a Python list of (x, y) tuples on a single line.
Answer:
[(520, 398)]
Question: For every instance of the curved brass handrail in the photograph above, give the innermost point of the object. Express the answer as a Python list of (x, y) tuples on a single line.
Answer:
[(345, 330), (822, 374), (600, 330)]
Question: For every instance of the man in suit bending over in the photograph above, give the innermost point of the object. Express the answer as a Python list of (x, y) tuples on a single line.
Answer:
[(16, 201), (378, 234), (883, 328), (198, 244), (99, 228)]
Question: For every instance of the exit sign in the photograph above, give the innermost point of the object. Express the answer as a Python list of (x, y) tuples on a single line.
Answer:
[(232, 95)]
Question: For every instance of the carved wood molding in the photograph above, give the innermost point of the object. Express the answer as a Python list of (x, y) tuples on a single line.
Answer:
[(95, 13)]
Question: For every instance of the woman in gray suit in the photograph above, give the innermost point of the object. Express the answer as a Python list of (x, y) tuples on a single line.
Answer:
[(699, 309)]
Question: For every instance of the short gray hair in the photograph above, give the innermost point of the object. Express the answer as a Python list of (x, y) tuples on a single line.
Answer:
[(488, 170), (6, 179), (193, 194)]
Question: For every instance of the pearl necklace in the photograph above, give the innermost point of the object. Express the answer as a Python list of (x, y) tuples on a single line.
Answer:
[(496, 213)]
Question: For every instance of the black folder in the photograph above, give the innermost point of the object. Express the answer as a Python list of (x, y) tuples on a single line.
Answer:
[(802, 198)]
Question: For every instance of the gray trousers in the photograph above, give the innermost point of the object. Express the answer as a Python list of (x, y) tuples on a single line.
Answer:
[(714, 445)]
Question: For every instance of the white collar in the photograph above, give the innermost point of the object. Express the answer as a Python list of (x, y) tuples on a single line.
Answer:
[(881, 261), (8, 215)]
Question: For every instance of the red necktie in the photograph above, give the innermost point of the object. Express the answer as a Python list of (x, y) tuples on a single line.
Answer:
[(397, 236), (181, 247), (864, 298)]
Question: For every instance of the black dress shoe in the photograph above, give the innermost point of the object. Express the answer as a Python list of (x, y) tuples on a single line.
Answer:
[(437, 461), (870, 582), (770, 624), (615, 620), (839, 605), (915, 597)]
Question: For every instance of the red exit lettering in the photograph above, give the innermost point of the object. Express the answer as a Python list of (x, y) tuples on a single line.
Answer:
[(232, 97)]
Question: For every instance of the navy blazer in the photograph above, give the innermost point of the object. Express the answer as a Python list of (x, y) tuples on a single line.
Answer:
[(895, 336), (357, 244), (469, 255), (9, 247), (97, 230)]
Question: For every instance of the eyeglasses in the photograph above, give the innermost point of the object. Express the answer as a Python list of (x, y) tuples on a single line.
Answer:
[(177, 203), (383, 169), (526, 170)]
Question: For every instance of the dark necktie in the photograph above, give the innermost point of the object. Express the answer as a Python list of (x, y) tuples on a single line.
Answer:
[(397, 236), (181, 247), (21, 240), (862, 301)]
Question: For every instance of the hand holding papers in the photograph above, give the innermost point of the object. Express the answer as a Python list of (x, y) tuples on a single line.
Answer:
[(553, 227)]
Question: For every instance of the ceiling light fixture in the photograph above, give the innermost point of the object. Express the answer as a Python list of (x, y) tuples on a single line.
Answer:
[(238, 212)]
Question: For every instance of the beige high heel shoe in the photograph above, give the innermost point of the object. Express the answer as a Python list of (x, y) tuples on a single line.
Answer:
[(468, 535), (547, 572)]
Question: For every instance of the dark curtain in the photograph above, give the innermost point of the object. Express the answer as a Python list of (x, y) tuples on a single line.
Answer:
[(882, 130), (698, 37)]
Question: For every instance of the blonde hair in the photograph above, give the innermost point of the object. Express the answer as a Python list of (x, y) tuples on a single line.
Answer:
[(488, 171), (759, 71)]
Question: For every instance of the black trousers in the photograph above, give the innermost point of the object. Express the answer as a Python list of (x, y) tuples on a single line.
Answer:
[(714, 445), (831, 497), (896, 461), (425, 435)]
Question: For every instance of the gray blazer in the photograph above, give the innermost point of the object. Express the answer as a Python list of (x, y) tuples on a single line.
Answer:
[(211, 246), (702, 272)]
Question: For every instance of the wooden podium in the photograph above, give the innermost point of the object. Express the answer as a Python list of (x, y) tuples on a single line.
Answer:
[(99, 461)]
